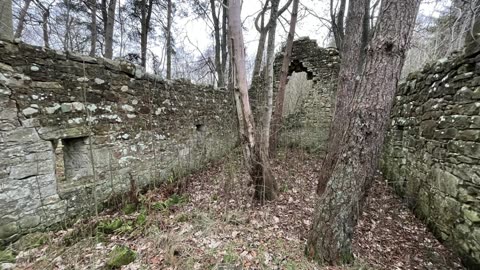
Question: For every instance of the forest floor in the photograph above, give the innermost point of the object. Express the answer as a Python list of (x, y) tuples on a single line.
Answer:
[(215, 225)]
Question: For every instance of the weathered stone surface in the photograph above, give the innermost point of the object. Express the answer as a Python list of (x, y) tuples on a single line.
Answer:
[(443, 110), (60, 120)]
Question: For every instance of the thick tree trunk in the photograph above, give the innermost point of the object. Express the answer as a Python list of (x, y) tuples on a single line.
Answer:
[(256, 161), (93, 27), (216, 27), (169, 39), (347, 81), (6, 20), (109, 27), (338, 208), (21, 19), (278, 113)]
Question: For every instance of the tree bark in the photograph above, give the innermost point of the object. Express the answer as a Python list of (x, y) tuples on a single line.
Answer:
[(224, 38), (93, 26), (45, 16), (347, 79), (255, 160), (216, 27), (109, 27), (278, 113), (146, 14), (21, 19), (337, 21), (6, 20), (338, 208), (169, 39)]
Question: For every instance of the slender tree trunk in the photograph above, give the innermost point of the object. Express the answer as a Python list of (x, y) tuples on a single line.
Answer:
[(255, 160), (146, 14), (109, 27), (93, 26), (278, 113), (6, 20), (216, 27), (264, 134), (169, 39), (45, 16), (257, 65), (21, 19), (224, 38), (338, 208), (337, 20), (347, 80)]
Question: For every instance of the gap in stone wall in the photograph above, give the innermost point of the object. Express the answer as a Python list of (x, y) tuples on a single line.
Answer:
[(76, 159)]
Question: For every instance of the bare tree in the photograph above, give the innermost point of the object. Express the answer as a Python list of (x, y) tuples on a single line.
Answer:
[(108, 14), (348, 78), (169, 39), (93, 27), (21, 18), (278, 114), (6, 20), (255, 159), (338, 207)]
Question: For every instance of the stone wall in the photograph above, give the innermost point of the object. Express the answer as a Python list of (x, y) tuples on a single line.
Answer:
[(71, 125), (432, 151), (309, 126)]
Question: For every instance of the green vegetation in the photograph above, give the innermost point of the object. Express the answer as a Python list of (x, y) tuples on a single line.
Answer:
[(120, 255)]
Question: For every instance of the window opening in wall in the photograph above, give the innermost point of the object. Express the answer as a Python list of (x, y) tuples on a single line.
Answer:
[(200, 127), (72, 159), (297, 90)]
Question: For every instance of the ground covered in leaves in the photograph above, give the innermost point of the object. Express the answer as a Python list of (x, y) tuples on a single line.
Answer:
[(210, 222)]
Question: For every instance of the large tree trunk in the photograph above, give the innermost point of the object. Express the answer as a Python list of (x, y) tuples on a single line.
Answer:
[(255, 159), (6, 20), (338, 208), (278, 114), (347, 81), (21, 19), (169, 39), (109, 27), (93, 27)]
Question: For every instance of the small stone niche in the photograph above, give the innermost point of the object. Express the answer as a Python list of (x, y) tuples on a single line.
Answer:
[(72, 159)]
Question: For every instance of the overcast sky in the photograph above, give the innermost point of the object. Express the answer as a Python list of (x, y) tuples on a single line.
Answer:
[(198, 31)]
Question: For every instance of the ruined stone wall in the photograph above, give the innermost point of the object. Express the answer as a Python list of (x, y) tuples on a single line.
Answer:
[(72, 124), (432, 151), (308, 127)]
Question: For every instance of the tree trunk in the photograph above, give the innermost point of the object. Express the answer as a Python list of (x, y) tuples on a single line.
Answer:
[(93, 26), (216, 27), (278, 114), (224, 38), (338, 208), (45, 16), (337, 21), (255, 160), (146, 14), (169, 39), (109, 27), (21, 19), (347, 80), (6, 20)]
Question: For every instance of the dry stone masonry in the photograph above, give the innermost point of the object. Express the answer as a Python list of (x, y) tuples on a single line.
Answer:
[(432, 151), (74, 127), (308, 127)]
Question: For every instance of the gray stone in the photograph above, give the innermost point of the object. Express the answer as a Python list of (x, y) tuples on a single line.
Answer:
[(66, 107), (29, 111)]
